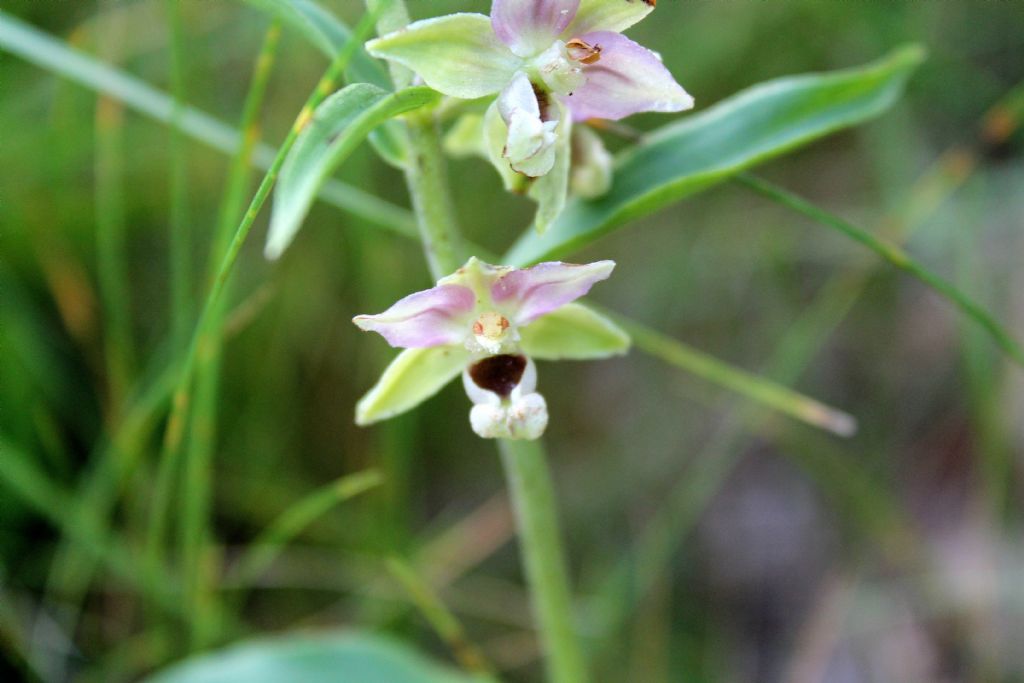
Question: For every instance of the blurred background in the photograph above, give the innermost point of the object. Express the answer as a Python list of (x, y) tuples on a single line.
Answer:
[(709, 539)]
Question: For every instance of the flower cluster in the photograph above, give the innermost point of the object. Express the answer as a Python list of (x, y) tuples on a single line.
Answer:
[(478, 322), (541, 57)]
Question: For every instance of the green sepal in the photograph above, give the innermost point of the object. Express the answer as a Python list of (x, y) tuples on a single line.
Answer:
[(412, 377), (573, 332), (457, 54)]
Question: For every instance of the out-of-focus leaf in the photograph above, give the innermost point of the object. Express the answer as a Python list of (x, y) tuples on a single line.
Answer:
[(325, 32), (47, 52), (328, 33), (690, 155), (413, 376), (327, 658), (338, 125), (573, 332)]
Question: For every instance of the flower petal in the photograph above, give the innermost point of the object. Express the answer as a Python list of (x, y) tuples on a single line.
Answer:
[(495, 137), (530, 143), (551, 189), (628, 78), (457, 54), (530, 26), (530, 293), (412, 377), (432, 317), (607, 15)]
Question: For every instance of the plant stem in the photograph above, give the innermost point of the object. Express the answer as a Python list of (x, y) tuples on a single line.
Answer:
[(533, 500), (180, 240), (427, 178), (202, 436), (426, 174), (111, 262), (204, 330)]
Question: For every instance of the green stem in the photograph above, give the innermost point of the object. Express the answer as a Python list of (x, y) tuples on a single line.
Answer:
[(204, 331), (202, 436), (895, 256), (111, 265), (533, 500), (427, 178), (426, 174), (180, 242)]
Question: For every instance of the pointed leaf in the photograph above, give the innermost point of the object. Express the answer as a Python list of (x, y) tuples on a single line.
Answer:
[(413, 376), (338, 125), (573, 332), (325, 32), (694, 153), (325, 658)]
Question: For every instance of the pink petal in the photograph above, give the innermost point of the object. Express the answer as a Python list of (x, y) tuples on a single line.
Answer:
[(432, 317), (532, 292), (628, 78), (531, 26)]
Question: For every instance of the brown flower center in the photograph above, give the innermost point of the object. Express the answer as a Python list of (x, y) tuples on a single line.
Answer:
[(500, 374)]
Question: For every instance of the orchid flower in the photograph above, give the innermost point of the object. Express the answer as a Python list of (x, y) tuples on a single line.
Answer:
[(488, 323), (541, 56)]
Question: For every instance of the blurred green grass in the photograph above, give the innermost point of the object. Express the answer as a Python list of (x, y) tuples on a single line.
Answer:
[(924, 502)]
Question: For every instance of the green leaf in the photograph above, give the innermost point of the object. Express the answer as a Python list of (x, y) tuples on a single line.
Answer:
[(698, 151), (337, 126), (47, 52), (261, 552), (325, 32), (325, 658), (413, 376), (573, 332)]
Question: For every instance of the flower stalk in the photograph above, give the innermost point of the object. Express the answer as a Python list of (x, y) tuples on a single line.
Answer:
[(525, 462), (426, 175), (533, 501)]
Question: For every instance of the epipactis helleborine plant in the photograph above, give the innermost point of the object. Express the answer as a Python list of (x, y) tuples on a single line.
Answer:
[(488, 323), (541, 56)]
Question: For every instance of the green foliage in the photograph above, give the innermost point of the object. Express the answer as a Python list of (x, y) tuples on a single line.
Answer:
[(708, 147), (325, 658), (337, 126), (327, 33), (650, 466)]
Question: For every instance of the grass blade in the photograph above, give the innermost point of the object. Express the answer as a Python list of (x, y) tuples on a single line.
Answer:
[(896, 256), (753, 387), (261, 553), (47, 52)]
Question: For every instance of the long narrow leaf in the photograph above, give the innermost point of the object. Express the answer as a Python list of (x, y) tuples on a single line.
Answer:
[(698, 151), (263, 550), (896, 256), (52, 54), (758, 389), (327, 33), (338, 125)]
